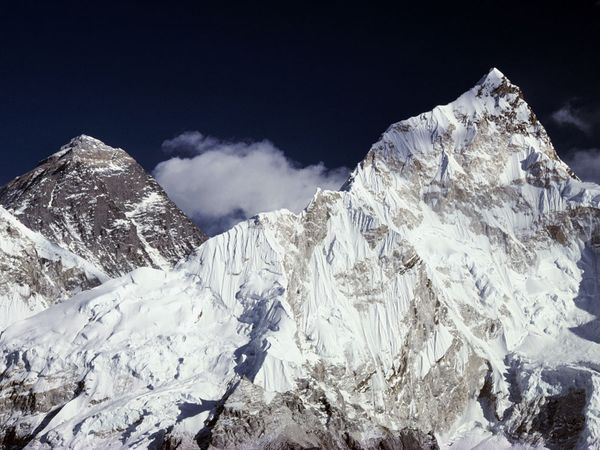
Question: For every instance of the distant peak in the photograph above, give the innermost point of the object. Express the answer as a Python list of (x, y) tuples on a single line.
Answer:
[(80, 143), (84, 139)]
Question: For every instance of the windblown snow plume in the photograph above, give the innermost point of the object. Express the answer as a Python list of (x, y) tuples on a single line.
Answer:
[(585, 163), (569, 115), (219, 183)]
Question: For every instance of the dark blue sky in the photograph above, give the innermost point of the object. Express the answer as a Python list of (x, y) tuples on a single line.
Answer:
[(321, 82)]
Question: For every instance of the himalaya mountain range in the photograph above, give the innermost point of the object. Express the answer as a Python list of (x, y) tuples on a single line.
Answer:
[(446, 296)]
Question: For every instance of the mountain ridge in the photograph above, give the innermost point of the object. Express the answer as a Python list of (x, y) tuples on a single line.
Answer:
[(446, 297)]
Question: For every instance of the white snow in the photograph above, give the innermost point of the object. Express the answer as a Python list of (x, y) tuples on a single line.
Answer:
[(18, 302)]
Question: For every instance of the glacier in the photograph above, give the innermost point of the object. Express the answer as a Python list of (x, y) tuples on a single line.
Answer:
[(445, 297)]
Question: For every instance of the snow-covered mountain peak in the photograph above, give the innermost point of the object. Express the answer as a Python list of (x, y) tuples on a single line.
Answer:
[(494, 79), (486, 138), (494, 75)]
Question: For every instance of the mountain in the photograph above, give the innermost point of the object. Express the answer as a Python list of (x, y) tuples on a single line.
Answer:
[(99, 203), (34, 273), (447, 296)]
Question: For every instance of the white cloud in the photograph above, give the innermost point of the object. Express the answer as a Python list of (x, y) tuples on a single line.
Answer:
[(190, 143), (220, 183), (585, 164), (567, 115)]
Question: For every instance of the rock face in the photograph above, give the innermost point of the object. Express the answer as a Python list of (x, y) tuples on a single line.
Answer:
[(301, 419), (448, 295), (100, 204)]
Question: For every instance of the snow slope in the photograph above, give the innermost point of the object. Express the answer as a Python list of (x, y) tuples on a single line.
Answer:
[(448, 290), (35, 273)]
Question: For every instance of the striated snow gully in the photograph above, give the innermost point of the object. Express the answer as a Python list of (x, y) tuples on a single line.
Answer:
[(447, 296)]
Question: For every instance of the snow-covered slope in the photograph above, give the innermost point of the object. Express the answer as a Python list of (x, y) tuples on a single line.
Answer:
[(449, 290), (35, 273), (99, 203)]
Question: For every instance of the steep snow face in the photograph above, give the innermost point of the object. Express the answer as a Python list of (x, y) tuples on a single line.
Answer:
[(150, 344), (100, 204), (449, 288), (34, 273)]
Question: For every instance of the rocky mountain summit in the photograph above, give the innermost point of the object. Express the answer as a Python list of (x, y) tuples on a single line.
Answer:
[(446, 297), (99, 203)]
